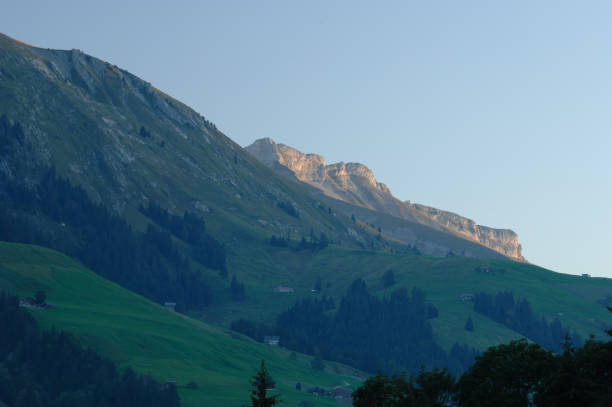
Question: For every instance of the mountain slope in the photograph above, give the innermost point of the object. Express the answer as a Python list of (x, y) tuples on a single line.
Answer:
[(134, 331), (426, 239), (128, 143), (355, 184), (573, 300)]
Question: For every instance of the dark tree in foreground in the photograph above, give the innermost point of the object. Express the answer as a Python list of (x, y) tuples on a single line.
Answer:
[(383, 391), (506, 375), (261, 382), (515, 374), (434, 388), (583, 376), (428, 389)]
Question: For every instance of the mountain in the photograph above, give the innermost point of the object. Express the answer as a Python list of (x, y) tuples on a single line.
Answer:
[(127, 144), (100, 165), (354, 183)]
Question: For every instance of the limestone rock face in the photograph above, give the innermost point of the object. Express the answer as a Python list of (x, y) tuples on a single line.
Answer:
[(351, 182), (504, 241), (355, 183)]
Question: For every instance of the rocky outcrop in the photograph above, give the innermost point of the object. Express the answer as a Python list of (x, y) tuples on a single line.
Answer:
[(355, 183), (504, 241), (350, 182)]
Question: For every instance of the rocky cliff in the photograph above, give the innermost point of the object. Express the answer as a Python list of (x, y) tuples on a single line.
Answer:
[(355, 183), (504, 241), (350, 182)]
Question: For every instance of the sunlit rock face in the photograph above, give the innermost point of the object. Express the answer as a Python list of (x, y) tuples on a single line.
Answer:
[(504, 241), (350, 182), (355, 183)]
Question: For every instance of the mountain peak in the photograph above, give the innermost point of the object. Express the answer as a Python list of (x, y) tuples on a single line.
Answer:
[(335, 179), (356, 184)]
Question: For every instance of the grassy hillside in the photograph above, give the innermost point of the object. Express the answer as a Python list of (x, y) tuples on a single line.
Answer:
[(443, 280), (85, 117), (127, 143), (134, 331)]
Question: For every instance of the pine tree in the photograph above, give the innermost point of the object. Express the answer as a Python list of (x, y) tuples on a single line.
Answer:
[(261, 382), (469, 325)]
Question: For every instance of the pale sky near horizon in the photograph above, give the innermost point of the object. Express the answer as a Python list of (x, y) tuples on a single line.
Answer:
[(498, 111)]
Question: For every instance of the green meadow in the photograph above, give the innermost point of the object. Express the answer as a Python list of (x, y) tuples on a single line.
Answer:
[(132, 330), (572, 299)]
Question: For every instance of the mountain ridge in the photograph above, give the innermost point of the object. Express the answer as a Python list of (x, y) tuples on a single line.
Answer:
[(355, 183), (127, 143), (114, 133)]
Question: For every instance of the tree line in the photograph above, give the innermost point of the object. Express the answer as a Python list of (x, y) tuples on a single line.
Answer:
[(192, 230), (51, 212), (519, 316), (313, 243), (49, 368), (516, 374), (55, 214), (520, 373), (391, 334)]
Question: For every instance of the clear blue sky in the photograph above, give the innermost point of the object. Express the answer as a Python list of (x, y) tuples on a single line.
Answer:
[(499, 111)]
